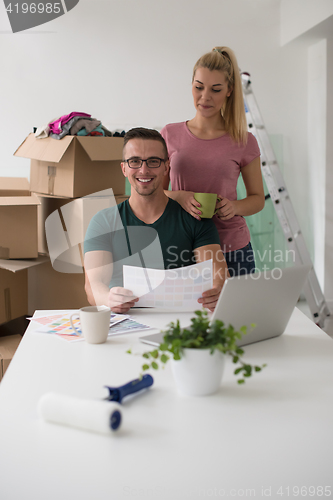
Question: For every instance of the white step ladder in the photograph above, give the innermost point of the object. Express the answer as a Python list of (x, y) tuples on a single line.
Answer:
[(282, 204)]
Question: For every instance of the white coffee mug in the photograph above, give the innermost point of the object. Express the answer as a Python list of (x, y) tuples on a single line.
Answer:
[(95, 323)]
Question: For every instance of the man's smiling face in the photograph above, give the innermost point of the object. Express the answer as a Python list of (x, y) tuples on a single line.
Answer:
[(145, 180)]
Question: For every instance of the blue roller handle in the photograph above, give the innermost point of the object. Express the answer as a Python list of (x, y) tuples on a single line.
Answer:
[(118, 393)]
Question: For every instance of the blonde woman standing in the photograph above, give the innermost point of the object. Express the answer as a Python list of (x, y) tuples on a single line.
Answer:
[(210, 151)]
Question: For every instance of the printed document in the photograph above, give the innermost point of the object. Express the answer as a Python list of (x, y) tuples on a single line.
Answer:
[(177, 288)]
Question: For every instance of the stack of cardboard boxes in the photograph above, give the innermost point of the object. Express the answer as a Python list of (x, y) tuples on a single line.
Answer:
[(62, 172), (18, 220), (18, 240)]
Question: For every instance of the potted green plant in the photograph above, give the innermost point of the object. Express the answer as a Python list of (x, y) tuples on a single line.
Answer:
[(198, 354)]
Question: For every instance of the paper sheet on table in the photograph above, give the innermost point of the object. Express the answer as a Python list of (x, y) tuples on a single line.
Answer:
[(177, 288)]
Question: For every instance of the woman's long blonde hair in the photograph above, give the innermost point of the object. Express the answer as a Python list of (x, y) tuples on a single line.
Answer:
[(233, 111)]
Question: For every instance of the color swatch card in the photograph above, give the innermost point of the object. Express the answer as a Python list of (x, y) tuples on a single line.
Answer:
[(177, 288), (59, 324), (127, 326)]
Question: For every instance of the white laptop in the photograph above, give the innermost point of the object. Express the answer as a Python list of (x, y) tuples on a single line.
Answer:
[(266, 299)]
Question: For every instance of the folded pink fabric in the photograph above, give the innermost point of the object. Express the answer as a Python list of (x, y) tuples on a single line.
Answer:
[(56, 126)]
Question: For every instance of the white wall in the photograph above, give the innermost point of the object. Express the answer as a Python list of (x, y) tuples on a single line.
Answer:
[(316, 144), (328, 263), (309, 23), (130, 62), (299, 16)]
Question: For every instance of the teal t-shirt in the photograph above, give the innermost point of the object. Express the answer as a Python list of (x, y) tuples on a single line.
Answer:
[(166, 244)]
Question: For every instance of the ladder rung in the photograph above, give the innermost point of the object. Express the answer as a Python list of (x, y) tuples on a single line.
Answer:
[(272, 162), (322, 307), (255, 125)]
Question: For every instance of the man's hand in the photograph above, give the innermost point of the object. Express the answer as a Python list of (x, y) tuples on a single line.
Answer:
[(210, 297), (120, 300)]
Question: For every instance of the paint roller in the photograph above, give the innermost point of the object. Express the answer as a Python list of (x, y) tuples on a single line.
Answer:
[(103, 416)]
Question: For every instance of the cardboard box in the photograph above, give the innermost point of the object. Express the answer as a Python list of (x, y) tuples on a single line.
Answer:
[(13, 294), (16, 326), (34, 284), (62, 225), (14, 300), (19, 265), (122, 197), (49, 289), (18, 227), (74, 166), (48, 205), (8, 346), (14, 186)]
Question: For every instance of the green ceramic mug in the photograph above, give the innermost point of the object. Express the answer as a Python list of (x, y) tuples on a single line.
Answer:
[(208, 203)]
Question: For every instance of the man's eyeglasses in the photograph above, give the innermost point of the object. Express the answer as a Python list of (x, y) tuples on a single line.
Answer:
[(152, 162)]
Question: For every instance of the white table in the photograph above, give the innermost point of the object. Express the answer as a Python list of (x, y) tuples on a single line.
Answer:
[(252, 441)]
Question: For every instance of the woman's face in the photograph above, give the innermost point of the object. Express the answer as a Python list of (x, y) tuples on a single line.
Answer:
[(209, 90)]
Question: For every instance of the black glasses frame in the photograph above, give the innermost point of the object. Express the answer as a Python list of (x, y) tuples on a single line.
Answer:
[(142, 160)]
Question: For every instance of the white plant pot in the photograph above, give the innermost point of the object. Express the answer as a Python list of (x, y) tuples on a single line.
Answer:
[(198, 372)]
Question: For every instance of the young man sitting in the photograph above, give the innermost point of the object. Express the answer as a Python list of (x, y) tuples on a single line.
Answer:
[(118, 234)]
